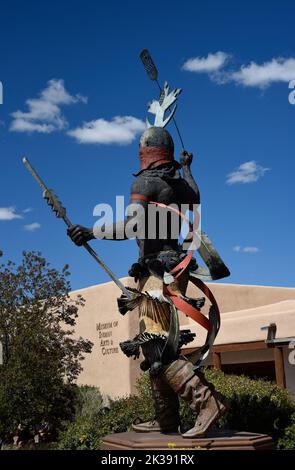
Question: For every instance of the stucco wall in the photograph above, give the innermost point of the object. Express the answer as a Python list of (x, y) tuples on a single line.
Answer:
[(106, 367)]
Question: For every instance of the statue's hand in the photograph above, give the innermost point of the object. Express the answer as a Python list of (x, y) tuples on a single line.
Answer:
[(79, 234), (186, 158)]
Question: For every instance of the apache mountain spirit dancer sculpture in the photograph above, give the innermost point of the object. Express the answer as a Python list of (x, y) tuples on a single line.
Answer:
[(163, 271)]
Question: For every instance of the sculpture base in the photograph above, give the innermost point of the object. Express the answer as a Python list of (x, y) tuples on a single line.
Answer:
[(216, 440)]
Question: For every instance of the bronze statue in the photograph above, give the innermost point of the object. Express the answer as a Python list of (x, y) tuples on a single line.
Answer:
[(172, 375)]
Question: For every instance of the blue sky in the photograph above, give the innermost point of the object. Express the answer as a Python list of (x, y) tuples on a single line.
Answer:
[(77, 62)]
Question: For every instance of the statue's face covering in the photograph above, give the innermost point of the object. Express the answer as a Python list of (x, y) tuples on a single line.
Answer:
[(156, 148)]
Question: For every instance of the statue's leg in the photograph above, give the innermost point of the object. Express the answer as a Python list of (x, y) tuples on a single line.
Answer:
[(154, 323), (198, 392), (166, 404), (166, 401), (166, 409)]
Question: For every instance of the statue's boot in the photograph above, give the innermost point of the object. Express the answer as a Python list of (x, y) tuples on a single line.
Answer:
[(149, 426), (166, 403), (200, 394)]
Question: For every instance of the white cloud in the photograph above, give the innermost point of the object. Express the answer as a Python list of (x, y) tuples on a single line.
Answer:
[(211, 63), (27, 210), (32, 227), (278, 69), (250, 249), (120, 130), (44, 114), (248, 172), (263, 75), (246, 249), (8, 213)]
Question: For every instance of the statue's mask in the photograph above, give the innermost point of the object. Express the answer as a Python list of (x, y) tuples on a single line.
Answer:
[(156, 148)]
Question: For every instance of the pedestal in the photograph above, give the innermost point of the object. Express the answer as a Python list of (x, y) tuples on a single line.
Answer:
[(216, 440)]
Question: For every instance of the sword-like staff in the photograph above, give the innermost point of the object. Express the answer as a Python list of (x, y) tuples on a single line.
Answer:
[(61, 213)]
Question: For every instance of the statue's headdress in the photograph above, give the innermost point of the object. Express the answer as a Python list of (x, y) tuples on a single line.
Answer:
[(156, 144)]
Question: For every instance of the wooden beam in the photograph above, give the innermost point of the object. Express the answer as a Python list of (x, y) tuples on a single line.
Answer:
[(235, 347), (279, 367), (216, 358)]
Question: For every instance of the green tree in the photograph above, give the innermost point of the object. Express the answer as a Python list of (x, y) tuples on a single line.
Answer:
[(41, 357)]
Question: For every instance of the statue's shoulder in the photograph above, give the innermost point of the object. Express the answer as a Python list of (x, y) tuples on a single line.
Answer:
[(145, 185)]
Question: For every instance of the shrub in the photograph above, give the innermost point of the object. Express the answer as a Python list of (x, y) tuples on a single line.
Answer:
[(287, 442), (254, 405), (83, 432), (89, 401), (87, 430)]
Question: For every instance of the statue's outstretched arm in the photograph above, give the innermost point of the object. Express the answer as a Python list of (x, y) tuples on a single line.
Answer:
[(115, 231)]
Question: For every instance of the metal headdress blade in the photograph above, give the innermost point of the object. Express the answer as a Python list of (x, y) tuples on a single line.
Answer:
[(159, 108), (148, 64)]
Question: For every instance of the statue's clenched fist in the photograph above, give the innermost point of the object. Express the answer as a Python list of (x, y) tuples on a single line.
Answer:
[(186, 158), (80, 234)]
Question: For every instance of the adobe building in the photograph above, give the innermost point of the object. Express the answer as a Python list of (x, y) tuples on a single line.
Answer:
[(256, 338)]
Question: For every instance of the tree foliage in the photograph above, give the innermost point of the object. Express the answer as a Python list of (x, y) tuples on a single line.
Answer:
[(41, 355)]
